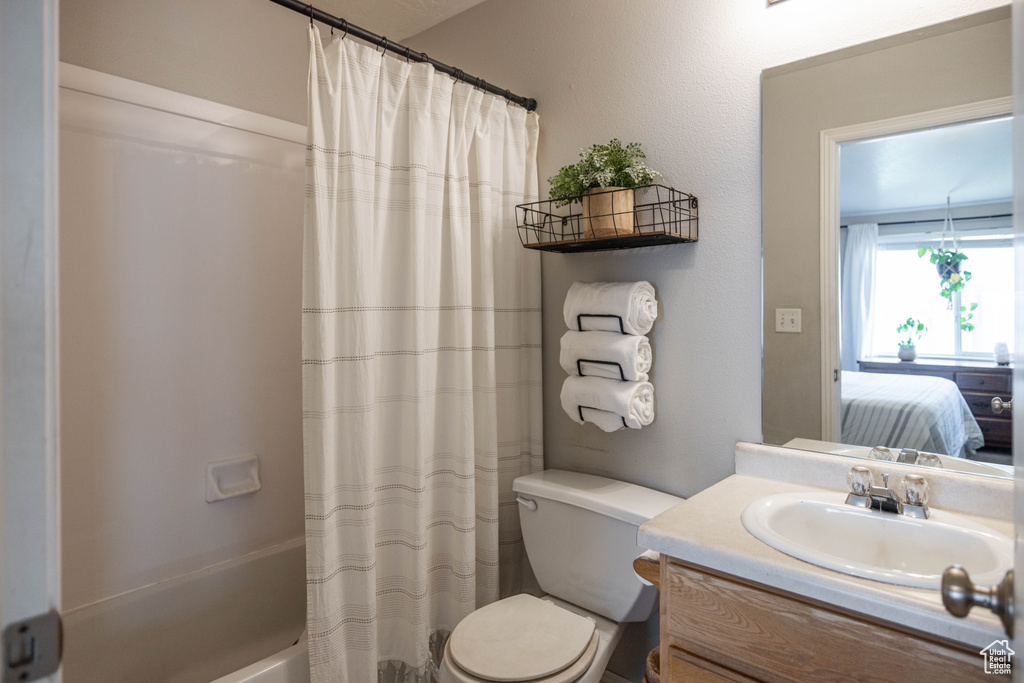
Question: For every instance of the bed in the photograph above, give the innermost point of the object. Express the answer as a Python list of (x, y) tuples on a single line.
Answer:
[(907, 411)]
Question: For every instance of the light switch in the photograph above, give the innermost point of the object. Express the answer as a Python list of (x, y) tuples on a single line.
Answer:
[(787, 320)]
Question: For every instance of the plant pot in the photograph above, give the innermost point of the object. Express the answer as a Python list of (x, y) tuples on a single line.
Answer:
[(907, 352), (607, 212), (947, 268)]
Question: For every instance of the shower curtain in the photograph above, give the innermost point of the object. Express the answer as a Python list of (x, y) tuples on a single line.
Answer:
[(421, 358)]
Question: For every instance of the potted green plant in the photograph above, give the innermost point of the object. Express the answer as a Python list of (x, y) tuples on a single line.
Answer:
[(948, 263), (602, 180), (912, 328)]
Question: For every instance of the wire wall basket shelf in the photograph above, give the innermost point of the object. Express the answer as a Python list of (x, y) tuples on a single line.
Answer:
[(609, 218)]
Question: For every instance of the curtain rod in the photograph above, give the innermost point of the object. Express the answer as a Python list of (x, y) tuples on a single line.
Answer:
[(941, 220), (380, 41)]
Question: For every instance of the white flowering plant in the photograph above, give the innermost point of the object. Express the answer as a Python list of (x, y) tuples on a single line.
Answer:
[(611, 165)]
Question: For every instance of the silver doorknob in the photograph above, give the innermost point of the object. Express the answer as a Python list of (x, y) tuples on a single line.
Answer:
[(959, 595), (999, 405)]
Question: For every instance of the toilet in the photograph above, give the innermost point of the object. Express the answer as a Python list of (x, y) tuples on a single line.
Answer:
[(580, 536)]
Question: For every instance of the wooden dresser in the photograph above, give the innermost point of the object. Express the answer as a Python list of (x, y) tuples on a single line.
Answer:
[(979, 382), (717, 628)]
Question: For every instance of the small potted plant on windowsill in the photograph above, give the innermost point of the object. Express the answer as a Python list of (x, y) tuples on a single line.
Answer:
[(603, 181), (912, 328)]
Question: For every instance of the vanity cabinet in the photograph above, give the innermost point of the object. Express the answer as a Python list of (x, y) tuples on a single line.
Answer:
[(717, 628), (979, 382)]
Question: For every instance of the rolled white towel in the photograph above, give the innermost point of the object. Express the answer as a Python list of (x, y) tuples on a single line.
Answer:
[(631, 352), (633, 301), (608, 402)]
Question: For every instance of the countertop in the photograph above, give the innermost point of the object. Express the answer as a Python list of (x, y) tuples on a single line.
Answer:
[(706, 530)]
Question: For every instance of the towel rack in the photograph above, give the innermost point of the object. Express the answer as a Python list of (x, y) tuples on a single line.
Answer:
[(583, 419), (581, 316), (622, 374)]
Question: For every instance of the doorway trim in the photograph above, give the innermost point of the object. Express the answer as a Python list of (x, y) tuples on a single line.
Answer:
[(828, 239)]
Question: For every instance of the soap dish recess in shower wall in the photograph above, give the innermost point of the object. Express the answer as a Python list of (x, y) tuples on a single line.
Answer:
[(231, 478)]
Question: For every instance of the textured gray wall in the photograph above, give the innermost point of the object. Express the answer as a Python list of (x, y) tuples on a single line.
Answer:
[(250, 54)]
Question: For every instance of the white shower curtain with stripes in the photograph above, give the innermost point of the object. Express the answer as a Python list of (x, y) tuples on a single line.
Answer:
[(421, 358)]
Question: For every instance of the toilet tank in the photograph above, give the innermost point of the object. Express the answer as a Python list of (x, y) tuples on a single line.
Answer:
[(581, 539)]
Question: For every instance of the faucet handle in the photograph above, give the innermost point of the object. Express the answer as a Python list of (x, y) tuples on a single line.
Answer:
[(915, 490), (882, 453), (860, 480)]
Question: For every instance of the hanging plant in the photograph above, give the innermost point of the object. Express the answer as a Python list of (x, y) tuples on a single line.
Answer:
[(965, 317), (949, 265)]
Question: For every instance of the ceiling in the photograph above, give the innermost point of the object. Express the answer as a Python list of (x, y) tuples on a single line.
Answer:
[(972, 162), (395, 19)]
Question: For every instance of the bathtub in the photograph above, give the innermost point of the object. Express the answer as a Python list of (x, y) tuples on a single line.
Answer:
[(290, 665), (197, 627)]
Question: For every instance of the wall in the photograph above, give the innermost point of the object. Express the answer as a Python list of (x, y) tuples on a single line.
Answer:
[(683, 78), (250, 54), (953, 67)]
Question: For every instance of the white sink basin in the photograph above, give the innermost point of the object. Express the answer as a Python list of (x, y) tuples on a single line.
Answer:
[(821, 529)]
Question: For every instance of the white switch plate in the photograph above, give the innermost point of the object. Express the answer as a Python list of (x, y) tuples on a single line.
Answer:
[(787, 320)]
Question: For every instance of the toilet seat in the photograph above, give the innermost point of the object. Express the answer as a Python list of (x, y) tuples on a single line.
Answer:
[(568, 675), (522, 638)]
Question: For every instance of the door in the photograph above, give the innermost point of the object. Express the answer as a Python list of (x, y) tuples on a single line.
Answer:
[(29, 520), (1018, 365)]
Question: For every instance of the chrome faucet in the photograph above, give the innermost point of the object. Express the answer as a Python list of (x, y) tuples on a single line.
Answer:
[(884, 498), (866, 494)]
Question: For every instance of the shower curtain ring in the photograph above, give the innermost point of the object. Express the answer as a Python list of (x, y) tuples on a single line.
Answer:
[(384, 45), (508, 97), (407, 54), (344, 25), (311, 15)]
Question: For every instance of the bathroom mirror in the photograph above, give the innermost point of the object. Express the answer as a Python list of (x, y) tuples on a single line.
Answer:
[(861, 150)]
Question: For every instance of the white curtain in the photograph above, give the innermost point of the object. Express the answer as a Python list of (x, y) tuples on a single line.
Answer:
[(421, 358), (858, 291)]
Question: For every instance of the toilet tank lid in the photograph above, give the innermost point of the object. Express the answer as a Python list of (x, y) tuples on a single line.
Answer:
[(617, 499)]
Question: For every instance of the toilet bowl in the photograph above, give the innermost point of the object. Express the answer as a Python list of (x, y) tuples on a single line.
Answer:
[(580, 536)]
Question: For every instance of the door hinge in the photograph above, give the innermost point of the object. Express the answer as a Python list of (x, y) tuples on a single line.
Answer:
[(835, 375), (32, 648)]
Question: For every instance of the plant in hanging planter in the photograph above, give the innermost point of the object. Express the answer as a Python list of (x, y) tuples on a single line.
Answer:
[(966, 314), (602, 180), (912, 328), (949, 264)]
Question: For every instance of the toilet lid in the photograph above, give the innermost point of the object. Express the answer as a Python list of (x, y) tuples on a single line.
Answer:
[(519, 639)]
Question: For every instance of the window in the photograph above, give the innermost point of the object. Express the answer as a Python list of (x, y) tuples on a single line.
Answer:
[(908, 286)]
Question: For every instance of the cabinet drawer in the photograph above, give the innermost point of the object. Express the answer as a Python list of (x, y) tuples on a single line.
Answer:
[(755, 632), (997, 431), (684, 668), (980, 404), (983, 381)]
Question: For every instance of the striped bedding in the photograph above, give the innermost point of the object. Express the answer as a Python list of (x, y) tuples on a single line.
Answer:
[(907, 411)]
